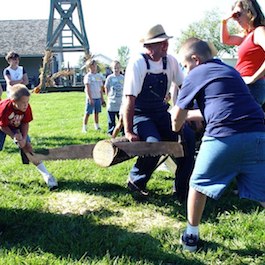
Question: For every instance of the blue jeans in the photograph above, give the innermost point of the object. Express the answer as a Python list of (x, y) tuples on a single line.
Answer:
[(185, 164), (111, 120), (3, 138), (257, 90), (154, 128)]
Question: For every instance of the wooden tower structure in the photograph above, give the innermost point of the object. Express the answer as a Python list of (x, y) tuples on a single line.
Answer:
[(65, 34), (60, 38)]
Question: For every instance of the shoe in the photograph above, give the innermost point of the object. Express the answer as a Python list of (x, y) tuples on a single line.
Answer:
[(133, 187), (52, 182), (180, 197), (189, 242), (97, 128), (84, 130)]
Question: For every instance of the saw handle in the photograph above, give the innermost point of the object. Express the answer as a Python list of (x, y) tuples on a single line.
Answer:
[(18, 138)]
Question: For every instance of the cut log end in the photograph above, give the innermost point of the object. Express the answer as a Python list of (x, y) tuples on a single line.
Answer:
[(106, 154)]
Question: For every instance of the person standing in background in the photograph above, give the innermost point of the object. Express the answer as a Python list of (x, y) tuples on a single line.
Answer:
[(93, 82), (113, 90), (14, 73), (251, 51)]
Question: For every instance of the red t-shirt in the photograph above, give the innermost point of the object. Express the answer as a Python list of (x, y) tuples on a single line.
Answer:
[(11, 117), (250, 56)]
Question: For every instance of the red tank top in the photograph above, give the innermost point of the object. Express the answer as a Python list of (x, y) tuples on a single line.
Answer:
[(250, 56)]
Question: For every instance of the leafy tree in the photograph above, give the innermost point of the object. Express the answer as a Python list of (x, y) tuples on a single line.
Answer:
[(123, 56), (208, 29)]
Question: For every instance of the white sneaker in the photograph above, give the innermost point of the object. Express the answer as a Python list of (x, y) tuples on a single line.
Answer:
[(51, 182), (84, 130)]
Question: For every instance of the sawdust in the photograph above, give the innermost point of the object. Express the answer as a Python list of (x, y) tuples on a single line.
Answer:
[(137, 219)]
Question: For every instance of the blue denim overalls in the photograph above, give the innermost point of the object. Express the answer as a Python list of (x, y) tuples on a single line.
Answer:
[(152, 122)]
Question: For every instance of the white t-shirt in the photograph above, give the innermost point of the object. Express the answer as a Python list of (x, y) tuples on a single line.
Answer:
[(95, 82), (137, 70), (15, 74)]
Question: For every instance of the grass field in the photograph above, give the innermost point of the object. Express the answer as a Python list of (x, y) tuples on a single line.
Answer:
[(93, 219)]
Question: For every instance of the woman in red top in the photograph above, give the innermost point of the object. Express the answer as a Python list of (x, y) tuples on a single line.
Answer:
[(251, 50)]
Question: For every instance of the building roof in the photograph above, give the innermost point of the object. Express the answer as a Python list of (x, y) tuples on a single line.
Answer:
[(102, 58), (26, 37)]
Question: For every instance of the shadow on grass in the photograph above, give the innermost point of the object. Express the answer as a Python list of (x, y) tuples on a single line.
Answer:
[(79, 237), (213, 246)]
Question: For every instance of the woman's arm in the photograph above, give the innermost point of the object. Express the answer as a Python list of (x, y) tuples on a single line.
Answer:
[(226, 37)]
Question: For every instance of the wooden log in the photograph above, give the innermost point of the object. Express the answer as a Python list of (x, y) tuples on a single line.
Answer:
[(106, 154), (111, 152)]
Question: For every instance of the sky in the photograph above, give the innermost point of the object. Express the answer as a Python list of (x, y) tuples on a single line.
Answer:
[(111, 24)]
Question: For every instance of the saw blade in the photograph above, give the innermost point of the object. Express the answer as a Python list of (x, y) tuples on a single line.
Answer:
[(151, 149), (66, 152)]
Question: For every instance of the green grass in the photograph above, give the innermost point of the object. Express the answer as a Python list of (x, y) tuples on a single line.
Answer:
[(93, 219)]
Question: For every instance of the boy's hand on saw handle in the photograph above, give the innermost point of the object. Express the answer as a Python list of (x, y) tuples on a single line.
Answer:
[(25, 154), (19, 140)]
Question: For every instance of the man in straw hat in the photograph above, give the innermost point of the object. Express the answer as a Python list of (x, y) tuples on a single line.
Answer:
[(146, 118)]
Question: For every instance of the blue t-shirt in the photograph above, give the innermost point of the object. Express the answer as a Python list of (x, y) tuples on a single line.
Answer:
[(223, 98)]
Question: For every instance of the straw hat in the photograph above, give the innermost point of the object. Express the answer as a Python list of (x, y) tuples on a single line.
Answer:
[(155, 34)]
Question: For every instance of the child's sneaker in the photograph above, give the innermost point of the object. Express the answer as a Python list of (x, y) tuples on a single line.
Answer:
[(52, 182), (189, 242)]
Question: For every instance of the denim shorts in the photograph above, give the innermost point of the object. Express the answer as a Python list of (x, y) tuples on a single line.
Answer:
[(96, 108), (220, 160)]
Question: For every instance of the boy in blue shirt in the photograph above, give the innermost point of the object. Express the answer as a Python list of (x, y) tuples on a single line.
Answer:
[(233, 145)]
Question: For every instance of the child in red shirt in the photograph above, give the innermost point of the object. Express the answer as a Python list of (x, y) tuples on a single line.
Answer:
[(15, 115)]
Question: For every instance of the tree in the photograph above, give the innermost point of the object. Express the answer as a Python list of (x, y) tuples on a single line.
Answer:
[(208, 29), (123, 56)]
